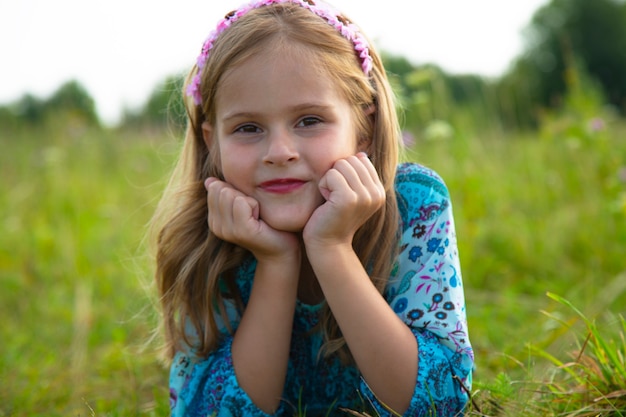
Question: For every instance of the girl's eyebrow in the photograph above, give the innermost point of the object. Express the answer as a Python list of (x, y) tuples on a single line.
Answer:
[(312, 107), (240, 115), (308, 107)]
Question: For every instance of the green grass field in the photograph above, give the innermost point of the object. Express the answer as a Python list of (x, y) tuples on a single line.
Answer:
[(534, 216)]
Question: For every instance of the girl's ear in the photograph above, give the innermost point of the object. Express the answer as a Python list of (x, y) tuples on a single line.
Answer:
[(207, 134), (364, 144)]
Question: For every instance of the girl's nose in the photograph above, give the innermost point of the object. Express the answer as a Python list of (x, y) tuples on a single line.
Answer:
[(281, 149)]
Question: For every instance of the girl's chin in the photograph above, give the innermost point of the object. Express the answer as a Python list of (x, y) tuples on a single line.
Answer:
[(287, 223), (285, 226), (289, 217)]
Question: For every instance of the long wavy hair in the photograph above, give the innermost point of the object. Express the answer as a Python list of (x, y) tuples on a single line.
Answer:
[(190, 260)]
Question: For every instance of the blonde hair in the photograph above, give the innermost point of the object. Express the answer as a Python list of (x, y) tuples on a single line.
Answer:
[(190, 260)]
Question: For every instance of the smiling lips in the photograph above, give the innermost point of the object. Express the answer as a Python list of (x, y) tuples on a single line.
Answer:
[(282, 185)]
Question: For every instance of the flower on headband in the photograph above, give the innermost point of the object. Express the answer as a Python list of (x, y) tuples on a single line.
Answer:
[(347, 29)]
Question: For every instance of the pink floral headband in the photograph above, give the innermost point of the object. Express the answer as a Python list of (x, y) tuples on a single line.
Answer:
[(347, 29)]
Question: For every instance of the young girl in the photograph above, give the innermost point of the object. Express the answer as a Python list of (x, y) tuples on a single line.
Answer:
[(301, 269)]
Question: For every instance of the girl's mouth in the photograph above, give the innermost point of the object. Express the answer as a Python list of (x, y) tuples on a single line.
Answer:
[(282, 185)]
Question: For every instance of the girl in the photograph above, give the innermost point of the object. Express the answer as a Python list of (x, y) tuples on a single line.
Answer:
[(300, 268)]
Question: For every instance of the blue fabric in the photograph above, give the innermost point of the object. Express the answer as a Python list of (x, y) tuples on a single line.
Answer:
[(426, 292)]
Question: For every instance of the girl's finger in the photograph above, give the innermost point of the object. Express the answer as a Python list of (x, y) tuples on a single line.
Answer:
[(369, 166), (209, 181), (333, 181), (356, 174)]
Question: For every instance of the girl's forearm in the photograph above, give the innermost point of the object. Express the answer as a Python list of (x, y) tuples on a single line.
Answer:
[(261, 344), (383, 347)]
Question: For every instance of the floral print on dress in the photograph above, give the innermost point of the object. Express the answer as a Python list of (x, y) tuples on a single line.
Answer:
[(425, 290)]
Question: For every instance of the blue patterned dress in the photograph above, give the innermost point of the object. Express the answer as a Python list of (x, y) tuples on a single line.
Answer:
[(426, 292)]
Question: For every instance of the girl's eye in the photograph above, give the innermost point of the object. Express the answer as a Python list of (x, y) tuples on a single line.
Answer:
[(247, 129), (309, 121)]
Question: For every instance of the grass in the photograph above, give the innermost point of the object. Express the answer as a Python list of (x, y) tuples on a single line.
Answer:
[(535, 216), (73, 206), (593, 382)]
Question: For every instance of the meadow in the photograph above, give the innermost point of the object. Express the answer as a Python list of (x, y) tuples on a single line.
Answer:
[(541, 222)]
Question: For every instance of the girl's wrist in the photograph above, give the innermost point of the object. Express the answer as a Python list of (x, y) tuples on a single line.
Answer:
[(317, 244), (282, 259), (280, 272), (326, 250)]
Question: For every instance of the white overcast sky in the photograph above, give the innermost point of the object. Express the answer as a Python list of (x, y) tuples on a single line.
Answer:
[(120, 49)]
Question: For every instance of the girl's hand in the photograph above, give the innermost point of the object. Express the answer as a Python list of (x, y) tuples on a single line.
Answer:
[(234, 217), (353, 193)]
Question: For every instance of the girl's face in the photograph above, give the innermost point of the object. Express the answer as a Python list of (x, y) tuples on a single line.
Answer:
[(280, 126)]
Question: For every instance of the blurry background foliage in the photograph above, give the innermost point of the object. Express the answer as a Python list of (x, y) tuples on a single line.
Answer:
[(535, 161)]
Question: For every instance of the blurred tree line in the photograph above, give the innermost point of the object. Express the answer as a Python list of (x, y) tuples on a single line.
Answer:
[(573, 68), (70, 102)]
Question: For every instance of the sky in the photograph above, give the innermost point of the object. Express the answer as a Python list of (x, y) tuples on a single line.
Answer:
[(119, 50)]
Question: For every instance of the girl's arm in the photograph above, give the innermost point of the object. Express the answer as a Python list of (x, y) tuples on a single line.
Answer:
[(260, 348), (382, 345)]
